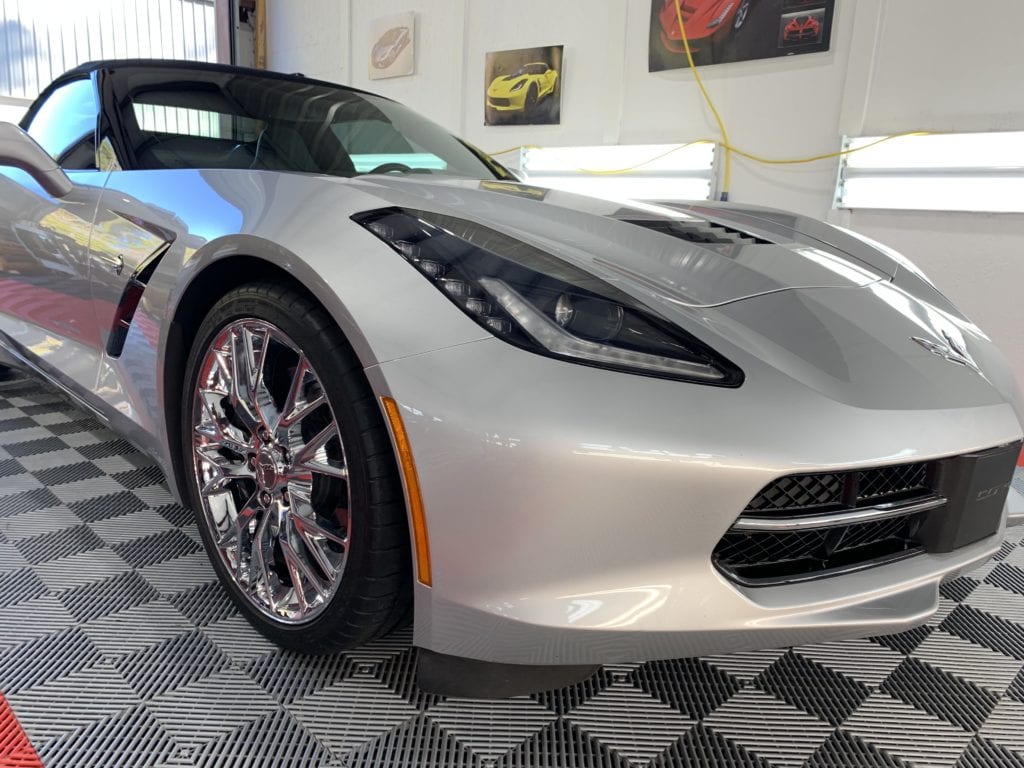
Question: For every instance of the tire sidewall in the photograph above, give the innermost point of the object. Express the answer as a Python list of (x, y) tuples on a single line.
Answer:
[(530, 102)]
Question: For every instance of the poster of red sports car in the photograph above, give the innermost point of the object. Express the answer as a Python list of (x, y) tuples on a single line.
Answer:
[(720, 31)]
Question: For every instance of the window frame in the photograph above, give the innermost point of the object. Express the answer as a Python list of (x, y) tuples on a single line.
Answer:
[(61, 82)]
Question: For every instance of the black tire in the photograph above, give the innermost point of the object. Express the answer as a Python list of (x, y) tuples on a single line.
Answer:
[(530, 103), (375, 590)]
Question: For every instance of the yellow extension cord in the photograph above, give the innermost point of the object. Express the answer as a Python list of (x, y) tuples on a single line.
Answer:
[(725, 143)]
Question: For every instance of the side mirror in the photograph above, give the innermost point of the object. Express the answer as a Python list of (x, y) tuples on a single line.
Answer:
[(19, 150)]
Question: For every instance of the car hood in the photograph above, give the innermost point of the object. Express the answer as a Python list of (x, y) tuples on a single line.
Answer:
[(683, 255), (788, 299), (504, 85)]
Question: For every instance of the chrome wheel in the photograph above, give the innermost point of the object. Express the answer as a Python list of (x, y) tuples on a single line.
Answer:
[(269, 465), (741, 14)]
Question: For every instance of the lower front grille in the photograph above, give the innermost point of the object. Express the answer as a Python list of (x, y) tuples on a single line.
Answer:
[(497, 101), (772, 556), (813, 525), (807, 526)]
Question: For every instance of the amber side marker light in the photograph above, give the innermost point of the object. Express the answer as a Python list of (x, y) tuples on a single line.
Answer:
[(412, 490)]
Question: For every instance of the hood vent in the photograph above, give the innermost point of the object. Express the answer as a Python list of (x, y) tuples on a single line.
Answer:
[(698, 232)]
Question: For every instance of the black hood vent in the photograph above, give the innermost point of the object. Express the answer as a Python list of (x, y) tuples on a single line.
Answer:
[(703, 232)]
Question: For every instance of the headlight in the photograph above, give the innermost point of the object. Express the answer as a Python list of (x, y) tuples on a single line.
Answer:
[(536, 301), (721, 17), (518, 86)]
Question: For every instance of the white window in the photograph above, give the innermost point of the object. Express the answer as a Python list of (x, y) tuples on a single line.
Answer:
[(185, 121), (41, 39), (939, 172), (636, 172)]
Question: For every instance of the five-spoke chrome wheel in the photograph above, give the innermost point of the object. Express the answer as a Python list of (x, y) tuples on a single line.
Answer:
[(270, 466)]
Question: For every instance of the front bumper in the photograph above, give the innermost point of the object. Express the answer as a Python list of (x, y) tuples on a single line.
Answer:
[(511, 103), (572, 511), (676, 45)]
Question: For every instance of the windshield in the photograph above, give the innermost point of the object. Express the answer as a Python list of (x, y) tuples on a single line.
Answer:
[(531, 69), (238, 120)]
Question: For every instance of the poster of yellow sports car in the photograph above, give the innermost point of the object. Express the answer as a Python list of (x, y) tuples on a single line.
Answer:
[(718, 31), (524, 87)]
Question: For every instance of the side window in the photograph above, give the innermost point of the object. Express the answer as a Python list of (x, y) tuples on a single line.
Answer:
[(65, 125)]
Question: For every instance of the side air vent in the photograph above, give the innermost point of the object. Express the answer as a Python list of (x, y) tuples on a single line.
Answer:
[(130, 298)]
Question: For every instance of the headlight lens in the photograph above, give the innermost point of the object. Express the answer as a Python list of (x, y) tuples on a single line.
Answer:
[(518, 86), (536, 301), (721, 17)]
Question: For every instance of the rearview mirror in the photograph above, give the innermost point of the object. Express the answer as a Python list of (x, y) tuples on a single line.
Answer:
[(19, 150)]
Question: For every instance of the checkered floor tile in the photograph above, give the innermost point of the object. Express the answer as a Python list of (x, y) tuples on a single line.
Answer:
[(117, 647)]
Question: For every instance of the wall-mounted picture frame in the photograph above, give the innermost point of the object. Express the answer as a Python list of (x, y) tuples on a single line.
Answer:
[(523, 86), (720, 31), (392, 46)]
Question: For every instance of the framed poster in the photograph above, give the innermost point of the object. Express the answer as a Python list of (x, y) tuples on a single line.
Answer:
[(720, 31), (392, 46), (523, 87)]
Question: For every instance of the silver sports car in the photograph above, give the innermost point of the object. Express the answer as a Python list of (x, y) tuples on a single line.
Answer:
[(396, 384)]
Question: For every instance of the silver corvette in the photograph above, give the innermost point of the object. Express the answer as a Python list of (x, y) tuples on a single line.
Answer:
[(396, 384)]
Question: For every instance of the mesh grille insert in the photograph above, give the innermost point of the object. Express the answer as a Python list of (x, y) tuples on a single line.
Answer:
[(785, 555), (790, 555), (892, 482), (801, 494)]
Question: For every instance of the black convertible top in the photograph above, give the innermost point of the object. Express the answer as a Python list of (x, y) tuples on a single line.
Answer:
[(204, 66)]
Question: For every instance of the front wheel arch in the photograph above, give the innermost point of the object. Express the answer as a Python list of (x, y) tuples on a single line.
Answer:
[(200, 295)]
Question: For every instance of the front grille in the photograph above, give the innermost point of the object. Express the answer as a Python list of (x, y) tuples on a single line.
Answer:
[(776, 555), (497, 101), (772, 557), (801, 494), (892, 483)]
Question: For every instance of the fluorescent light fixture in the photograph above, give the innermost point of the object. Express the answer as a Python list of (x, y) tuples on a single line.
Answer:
[(940, 172), (624, 172)]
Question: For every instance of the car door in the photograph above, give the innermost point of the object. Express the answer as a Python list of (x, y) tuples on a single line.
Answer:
[(158, 127), (45, 304)]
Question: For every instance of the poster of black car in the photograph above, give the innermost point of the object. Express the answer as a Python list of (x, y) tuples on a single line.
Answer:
[(720, 31), (523, 87)]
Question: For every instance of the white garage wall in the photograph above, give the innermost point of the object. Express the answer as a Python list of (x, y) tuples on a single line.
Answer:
[(893, 67), (922, 65), (311, 38)]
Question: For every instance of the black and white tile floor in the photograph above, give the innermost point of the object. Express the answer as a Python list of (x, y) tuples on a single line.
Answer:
[(118, 648)]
